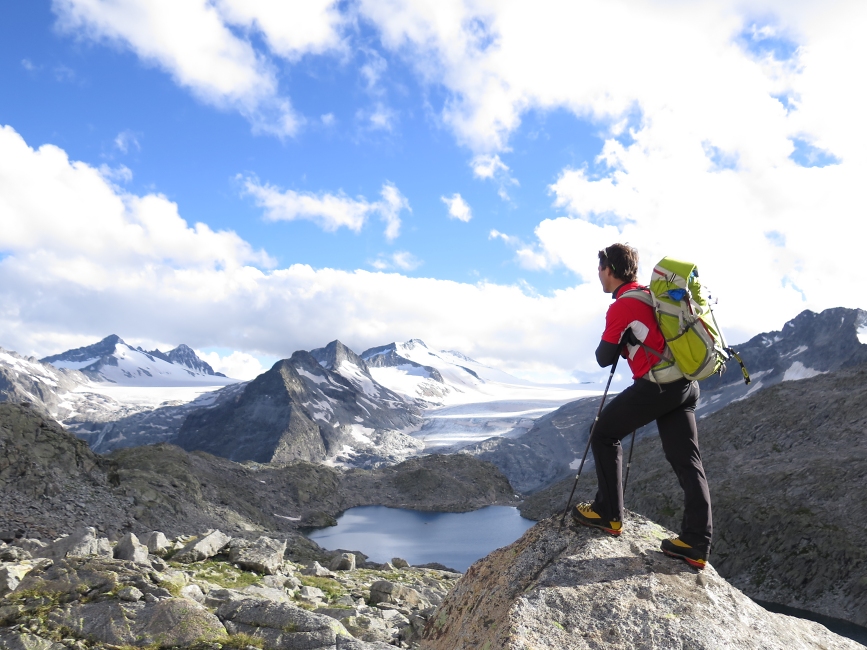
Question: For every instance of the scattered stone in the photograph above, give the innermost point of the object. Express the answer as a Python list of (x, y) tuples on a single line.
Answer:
[(32, 546), (156, 542), (343, 562), (203, 548), (13, 554), (317, 569), (387, 566), (399, 563), (82, 543), (129, 548), (130, 594), (312, 594), (268, 593), (384, 591), (275, 582), (11, 576), (13, 640), (193, 592), (158, 563), (265, 555)]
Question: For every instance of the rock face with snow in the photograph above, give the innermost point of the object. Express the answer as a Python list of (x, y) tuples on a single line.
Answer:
[(786, 470), (302, 410), (113, 360), (580, 589)]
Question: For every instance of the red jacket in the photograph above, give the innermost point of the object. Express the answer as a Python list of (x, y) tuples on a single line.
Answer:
[(628, 313)]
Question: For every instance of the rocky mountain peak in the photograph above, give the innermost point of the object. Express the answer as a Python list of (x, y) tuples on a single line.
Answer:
[(103, 348), (334, 353), (184, 355)]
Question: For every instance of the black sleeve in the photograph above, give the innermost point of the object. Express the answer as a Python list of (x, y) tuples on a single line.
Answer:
[(606, 353)]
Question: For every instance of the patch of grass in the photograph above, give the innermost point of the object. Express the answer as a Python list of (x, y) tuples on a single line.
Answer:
[(559, 625), (332, 588), (241, 640), (223, 574)]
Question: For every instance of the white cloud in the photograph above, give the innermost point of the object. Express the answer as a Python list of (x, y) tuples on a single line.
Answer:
[(329, 211), (291, 29), (126, 141), (239, 365), (119, 174), (458, 208), (490, 167), (191, 40), (403, 260), (328, 119), (83, 258)]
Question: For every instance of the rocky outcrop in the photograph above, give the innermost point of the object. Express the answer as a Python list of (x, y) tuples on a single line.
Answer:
[(84, 602), (785, 468), (580, 589)]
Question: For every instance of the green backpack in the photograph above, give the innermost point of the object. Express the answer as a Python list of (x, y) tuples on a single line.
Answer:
[(694, 344)]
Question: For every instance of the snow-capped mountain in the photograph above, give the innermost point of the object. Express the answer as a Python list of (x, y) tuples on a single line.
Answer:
[(113, 361), (303, 409), (464, 401)]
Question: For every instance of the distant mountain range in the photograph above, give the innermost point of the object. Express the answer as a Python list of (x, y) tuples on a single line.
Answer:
[(114, 361), (381, 406)]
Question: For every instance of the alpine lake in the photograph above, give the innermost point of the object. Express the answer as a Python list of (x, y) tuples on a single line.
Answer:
[(454, 539)]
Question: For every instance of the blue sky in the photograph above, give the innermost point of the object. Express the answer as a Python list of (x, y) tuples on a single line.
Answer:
[(562, 129)]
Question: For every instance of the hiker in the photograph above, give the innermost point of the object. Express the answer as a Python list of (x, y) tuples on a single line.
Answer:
[(630, 330)]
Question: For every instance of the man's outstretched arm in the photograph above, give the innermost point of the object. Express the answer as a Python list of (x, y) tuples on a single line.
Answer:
[(606, 353)]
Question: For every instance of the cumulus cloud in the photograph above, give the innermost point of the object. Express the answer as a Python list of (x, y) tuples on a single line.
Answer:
[(239, 365), (490, 167), (192, 40), (403, 260), (83, 258), (458, 208), (330, 211)]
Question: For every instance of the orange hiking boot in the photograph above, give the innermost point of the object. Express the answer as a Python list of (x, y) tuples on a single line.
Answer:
[(694, 557), (584, 514)]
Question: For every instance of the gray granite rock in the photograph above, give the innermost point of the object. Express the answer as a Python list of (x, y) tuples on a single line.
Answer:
[(343, 562), (318, 570), (574, 589), (13, 640), (170, 622), (84, 542), (265, 555), (202, 548), (282, 626), (156, 542), (11, 576), (129, 548)]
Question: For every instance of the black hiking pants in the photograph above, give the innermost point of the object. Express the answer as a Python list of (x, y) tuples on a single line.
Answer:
[(673, 408)]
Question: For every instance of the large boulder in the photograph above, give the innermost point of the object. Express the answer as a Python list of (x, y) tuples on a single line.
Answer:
[(11, 576), (166, 623), (12, 640), (265, 555), (384, 591), (576, 589), (281, 625), (156, 542), (130, 549), (84, 542), (343, 562), (202, 548)]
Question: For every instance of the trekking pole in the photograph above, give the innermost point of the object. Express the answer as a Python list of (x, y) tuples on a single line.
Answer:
[(590, 437), (629, 462)]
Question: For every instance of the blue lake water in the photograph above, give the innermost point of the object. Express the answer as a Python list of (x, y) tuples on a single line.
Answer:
[(455, 539)]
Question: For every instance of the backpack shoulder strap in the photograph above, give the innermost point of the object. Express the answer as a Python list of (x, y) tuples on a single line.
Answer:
[(644, 295)]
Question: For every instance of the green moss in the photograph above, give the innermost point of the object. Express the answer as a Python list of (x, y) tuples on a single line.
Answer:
[(241, 641), (332, 588), (223, 574), (556, 624)]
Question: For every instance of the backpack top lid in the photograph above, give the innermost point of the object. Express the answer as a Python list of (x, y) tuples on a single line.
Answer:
[(673, 279)]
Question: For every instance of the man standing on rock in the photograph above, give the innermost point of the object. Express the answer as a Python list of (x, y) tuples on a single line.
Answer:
[(669, 400)]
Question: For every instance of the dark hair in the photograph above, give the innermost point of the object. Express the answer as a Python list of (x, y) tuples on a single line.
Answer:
[(623, 261)]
